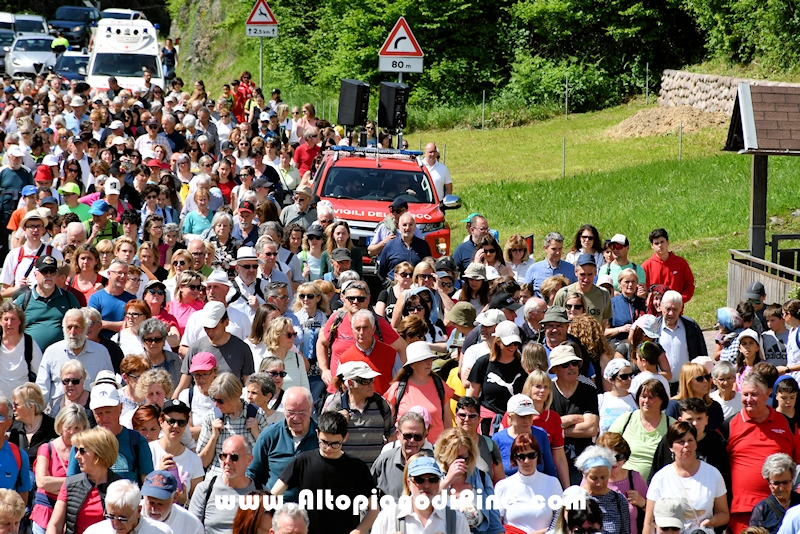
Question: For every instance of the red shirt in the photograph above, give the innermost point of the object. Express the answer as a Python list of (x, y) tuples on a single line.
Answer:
[(381, 359), (550, 422), (90, 513), (674, 273), (749, 444), (226, 189), (304, 157), (346, 339)]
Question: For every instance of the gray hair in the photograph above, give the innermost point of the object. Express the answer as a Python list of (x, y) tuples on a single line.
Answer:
[(777, 463), (363, 313), (189, 121), (172, 227), (272, 289), (76, 227), (74, 313), (263, 381), (595, 451), (269, 361), (721, 368), (249, 195), (31, 396), (117, 261), (264, 241), (9, 406), (349, 276), (13, 137), (273, 227), (226, 385), (170, 117), (672, 297), (202, 180), (325, 209), (203, 139), (756, 380), (624, 273), (71, 415), (91, 315), (414, 417), (123, 494), (291, 511), (358, 284), (74, 365), (152, 326), (553, 236), (530, 304), (155, 107), (220, 216)]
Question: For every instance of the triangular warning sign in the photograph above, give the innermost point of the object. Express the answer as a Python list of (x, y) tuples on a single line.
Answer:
[(261, 14), (401, 42)]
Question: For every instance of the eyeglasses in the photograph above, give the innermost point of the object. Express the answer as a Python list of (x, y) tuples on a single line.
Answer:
[(276, 374), (201, 376), (159, 292), (132, 378), (419, 480), (133, 315), (73, 381), (574, 306), (172, 422), (526, 456), (248, 267), (292, 413), (415, 308), (182, 263), (153, 339), (82, 451), (415, 437), (777, 483), (331, 444), (354, 298), (224, 456), (426, 276), (624, 376), (290, 335), (470, 416), (328, 221), (620, 457), (703, 378), (270, 254), (364, 381), (120, 518), (194, 287), (569, 364)]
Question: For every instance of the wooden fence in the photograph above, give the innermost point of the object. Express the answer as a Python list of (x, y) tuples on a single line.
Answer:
[(744, 269)]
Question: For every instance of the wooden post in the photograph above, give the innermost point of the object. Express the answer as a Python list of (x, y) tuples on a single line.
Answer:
[(758, 206)]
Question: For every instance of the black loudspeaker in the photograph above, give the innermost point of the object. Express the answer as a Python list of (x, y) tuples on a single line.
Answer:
[(353, 103), (392, 108)]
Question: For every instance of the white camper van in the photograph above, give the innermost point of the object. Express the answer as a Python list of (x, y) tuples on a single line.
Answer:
[(124, 49)]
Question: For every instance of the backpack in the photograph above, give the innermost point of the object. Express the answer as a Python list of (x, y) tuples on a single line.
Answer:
[(382, 408), (18, 459), (401, 390), (47, 251)]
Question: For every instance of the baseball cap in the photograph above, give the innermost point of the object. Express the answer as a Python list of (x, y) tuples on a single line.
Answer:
[(508, 333), (341, 254), (50, 160), (490, 318), (203, 361), (43, 174), (647, 323), (462, 314), (475, 271), (620, 240), (116, 125), (755, 291), (49, 200), (111, 187), (446, 263), (356, 369), (45, 262), (668, 513), (30, 190), (153, 283), (226, 145), (16, 151), (555, 314), (263, 116), (116, 168), (118, 140), (76, 139), (175, 405), (160, 484), (315, 230), (563, 354), (504, 301), (103, 395), (520, 404), (260, 182), (99, 207), (211, 314), (152, 120), (586, 259), (605, 279), (276, 91), (399, 204), (470, 216), (69, 188), (424, 465)]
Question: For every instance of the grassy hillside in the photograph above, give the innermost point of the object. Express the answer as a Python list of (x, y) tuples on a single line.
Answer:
[(631, 186)]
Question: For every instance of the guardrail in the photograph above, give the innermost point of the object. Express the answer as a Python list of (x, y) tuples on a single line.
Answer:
[(744, 269)]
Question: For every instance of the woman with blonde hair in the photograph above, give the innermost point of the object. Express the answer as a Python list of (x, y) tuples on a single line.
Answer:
[(187, 297), (312, 310), (533, 357), (96, 450), (31, 427), (550, 287), (695, 382), (457, 455), (575, 304), (279, 340), (517, 256), (105, 249), (51, 464), (198, 220)]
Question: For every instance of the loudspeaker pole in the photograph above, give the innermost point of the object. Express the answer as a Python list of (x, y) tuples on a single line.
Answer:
[(399, 77)]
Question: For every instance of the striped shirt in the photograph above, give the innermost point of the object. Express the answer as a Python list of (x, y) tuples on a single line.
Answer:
[(368, 430), (231, 427)]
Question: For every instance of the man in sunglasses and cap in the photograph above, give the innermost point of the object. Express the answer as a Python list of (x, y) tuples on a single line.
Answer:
[(159, 503), (598, 301), (20, 262)]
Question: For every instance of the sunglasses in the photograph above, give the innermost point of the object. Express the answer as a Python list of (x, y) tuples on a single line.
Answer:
[(620, 457), (419, 480), (48, 272), (569, 364), (314, 237), (73, 381), (364, 381), (703, 378), (159, 292), (328, 221), (133, 315), (281, 374), (248, 267), (290, 335), (82, 450), (616, 246), (427, 276), (270, 254), (172, 422), (404, 275), (574, 306), (120, 518), (359, 299), (415, 437), (224, 456), (470, 416), (624, 376), (194, 287), (527, 456), (153, 339), (303, 296), (182, 263), (446, 285)]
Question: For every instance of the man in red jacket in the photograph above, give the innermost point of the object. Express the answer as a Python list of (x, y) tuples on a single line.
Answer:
[(664, 267)]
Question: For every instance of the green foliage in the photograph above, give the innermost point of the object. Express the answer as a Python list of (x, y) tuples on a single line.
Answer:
[(794, 293)]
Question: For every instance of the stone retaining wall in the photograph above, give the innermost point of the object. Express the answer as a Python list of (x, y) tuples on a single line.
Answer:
[(706, 92)]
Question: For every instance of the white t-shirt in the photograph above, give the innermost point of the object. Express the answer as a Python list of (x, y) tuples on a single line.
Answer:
[(259, 351), (697, 492), (237, 324), (523, 494), (14, 270), (129, 343), (441, 177), (200, 405), (643, 377), (792, 349), (147, 526), (731, 407), (14, 368), (472, 354), (189, 464), (611, 407), (181, 521)]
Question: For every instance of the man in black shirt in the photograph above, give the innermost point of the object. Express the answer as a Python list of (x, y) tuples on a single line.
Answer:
[(330, 471)]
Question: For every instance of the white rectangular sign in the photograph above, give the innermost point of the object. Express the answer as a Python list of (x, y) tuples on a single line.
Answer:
[(262, 30), (400, 64)]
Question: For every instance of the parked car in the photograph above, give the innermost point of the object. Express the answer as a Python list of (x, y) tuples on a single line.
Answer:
[(75, 22), (6, 40), (7, 21), (72, 66), (122, 14), (30, 24), (29, 55)]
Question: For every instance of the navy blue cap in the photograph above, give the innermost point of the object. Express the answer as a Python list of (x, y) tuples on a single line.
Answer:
[(586, 259)]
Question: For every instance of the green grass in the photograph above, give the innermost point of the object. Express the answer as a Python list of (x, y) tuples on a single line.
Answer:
[(631, 186)]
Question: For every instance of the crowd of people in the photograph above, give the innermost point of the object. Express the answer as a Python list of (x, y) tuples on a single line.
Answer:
[(184, 321)]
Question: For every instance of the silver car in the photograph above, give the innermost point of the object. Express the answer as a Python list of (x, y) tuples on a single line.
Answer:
[(30, 55)]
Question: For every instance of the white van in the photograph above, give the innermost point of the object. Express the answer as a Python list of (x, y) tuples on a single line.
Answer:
[(124, 49)]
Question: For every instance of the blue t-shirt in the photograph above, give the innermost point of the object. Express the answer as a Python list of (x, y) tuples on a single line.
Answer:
[(111, 308), (545, 464), (10, 475), (125, 466)]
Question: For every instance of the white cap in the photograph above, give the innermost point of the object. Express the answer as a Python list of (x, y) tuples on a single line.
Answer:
[(211, 314), (50, 160), (118, 140), (356, 369), (508, 333), (111, 187), (490, 318), (522, 405), (218, 276), (604, 279), (668, 512), (116, 125), (419, 351), (76, 101), (16, 151), (104, 395)]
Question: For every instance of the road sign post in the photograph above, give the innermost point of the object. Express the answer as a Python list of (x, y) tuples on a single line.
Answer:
[(261, 23)]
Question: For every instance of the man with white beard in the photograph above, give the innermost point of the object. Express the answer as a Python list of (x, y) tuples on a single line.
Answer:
[(74, 346)]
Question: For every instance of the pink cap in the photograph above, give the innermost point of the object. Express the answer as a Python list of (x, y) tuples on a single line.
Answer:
[(423, 411), (202, 361)]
